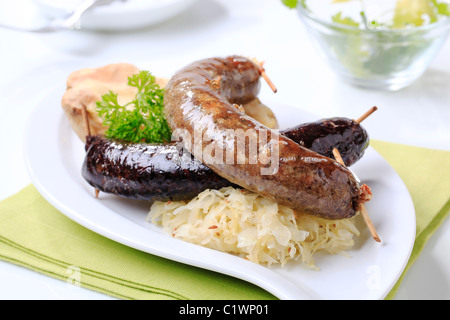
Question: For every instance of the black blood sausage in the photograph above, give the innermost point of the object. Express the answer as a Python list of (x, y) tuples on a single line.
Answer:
[(321, 136), (146, 172)]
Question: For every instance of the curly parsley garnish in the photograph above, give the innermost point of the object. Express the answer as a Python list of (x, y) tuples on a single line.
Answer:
[(141, 120)]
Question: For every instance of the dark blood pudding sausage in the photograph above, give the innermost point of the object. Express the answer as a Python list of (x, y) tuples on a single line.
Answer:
[(348, 136), (200, 100), (146, 171)]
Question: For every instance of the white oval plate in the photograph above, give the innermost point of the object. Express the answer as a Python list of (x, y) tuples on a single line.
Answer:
[(130, 14), (54, 156)]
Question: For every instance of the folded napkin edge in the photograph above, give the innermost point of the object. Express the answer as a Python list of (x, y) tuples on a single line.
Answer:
[(419, 245)]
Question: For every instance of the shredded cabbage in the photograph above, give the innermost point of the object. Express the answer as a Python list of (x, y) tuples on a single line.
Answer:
[(240, 222)]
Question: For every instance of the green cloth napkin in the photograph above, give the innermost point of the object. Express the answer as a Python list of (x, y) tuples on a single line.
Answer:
[(33, 234), (426, 174)]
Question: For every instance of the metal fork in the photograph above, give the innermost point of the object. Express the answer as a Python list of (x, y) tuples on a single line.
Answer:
[(68, 22)]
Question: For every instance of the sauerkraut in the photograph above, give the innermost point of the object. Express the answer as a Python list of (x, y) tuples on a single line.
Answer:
[(243, 223)]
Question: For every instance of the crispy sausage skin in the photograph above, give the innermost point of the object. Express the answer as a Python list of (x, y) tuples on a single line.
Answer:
[(146, 172), (199, 100)]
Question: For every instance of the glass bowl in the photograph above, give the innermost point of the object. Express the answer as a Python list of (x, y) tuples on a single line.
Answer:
[(383, 59)]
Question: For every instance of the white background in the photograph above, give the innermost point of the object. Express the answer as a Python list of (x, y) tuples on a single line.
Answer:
[(32, 65)]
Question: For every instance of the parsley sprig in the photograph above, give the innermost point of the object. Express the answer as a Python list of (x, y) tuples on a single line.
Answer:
[(141, 120)]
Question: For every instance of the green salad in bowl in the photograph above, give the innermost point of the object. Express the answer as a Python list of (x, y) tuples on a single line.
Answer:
[(378, 44)]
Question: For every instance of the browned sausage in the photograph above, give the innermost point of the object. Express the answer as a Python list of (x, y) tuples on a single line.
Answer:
[(199, 104)]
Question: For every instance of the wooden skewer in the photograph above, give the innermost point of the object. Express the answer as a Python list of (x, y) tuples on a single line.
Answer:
[(264, 75), (369, 223), (88, 129), (365, 115), (337, 156), (86, 120), (269, 82), (362, 207)]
